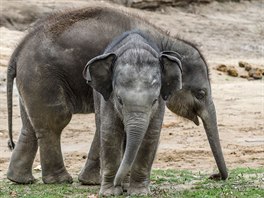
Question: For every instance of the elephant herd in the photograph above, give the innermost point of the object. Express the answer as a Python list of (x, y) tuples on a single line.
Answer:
[(117, 65)]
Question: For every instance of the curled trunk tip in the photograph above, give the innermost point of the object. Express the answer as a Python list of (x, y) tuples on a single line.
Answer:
[(121, 175), (208, 115)]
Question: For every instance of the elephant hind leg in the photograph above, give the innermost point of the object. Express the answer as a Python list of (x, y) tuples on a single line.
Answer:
[(90, 173), (20, 167), (49, 136), (49, 120)]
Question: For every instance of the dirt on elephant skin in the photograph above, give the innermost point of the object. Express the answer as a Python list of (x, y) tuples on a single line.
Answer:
[(226, 33)]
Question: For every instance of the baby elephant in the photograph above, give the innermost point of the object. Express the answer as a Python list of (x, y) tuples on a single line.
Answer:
[(131, 80)]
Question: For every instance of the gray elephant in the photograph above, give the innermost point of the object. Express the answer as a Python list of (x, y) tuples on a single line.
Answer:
[(130, 79), (48, 66)]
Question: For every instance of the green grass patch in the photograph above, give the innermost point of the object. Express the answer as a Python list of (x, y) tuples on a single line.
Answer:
[(242, 183)]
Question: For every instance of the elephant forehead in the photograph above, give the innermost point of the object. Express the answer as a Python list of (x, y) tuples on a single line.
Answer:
[(129, 75)]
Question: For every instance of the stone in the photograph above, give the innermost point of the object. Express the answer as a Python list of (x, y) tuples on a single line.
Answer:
[(262, 70), (232, 71), (243, 64), (255, 73), (248, 67), (243, 76), (222, 68)]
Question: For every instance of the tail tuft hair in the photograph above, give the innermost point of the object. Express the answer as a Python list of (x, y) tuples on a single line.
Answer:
[(11, 144)]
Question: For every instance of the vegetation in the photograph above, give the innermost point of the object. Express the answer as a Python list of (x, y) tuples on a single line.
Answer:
[(242, 182)]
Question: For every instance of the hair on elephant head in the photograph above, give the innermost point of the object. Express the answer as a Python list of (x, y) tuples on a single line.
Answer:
[(134, 75)]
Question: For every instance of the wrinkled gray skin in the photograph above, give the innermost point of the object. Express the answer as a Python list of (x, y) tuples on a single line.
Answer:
[(48, 66), (130, 79)]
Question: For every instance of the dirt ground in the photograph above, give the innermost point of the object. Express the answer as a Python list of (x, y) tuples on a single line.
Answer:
[(225, 33)]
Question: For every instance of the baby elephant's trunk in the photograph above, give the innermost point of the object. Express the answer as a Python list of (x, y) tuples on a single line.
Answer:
[(136, 125)]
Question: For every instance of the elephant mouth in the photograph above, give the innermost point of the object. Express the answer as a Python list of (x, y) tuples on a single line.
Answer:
[(188, 113), (195, 120)]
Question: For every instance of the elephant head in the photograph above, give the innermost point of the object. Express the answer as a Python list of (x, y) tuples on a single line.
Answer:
[(195, 100), (135, 80)]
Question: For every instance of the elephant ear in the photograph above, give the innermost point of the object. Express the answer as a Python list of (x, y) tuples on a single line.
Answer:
[(98, 73), (171, 73)]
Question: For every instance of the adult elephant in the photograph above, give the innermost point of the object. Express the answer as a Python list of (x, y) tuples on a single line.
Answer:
[(48, 66)]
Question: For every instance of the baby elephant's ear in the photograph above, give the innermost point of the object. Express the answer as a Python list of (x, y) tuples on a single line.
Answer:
[(98, 73), (171, 74)]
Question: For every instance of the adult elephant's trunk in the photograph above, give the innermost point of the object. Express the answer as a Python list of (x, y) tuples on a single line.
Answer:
[(208, 116), (136, 125)]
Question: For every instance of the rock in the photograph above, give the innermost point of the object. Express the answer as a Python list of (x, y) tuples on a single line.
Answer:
[(248, 67), (243, 64), (243, 76), (255, 73), (250, 73), (257, 76), (222, 68), (262, 72), (232, 71), (250, 78)]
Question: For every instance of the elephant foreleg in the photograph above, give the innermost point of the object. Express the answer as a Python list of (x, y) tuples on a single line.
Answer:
[(112, 136)]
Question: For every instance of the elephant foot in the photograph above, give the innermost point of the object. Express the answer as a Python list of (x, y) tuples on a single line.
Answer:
[(90, 174), (19, 178), (110, 190), (138, 189), (61, 177), (217, 177)]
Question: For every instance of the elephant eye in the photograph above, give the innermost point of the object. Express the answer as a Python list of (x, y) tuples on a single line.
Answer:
[(200, 94), (155, 101), (119, 100)]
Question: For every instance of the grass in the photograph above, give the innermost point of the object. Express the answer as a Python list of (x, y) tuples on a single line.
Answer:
[(242, 183)]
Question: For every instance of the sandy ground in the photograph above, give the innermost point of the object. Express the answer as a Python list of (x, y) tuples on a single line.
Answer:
[(226, 33)]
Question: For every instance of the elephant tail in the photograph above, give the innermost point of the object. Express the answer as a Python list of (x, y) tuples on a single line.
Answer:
[(11, 74)]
